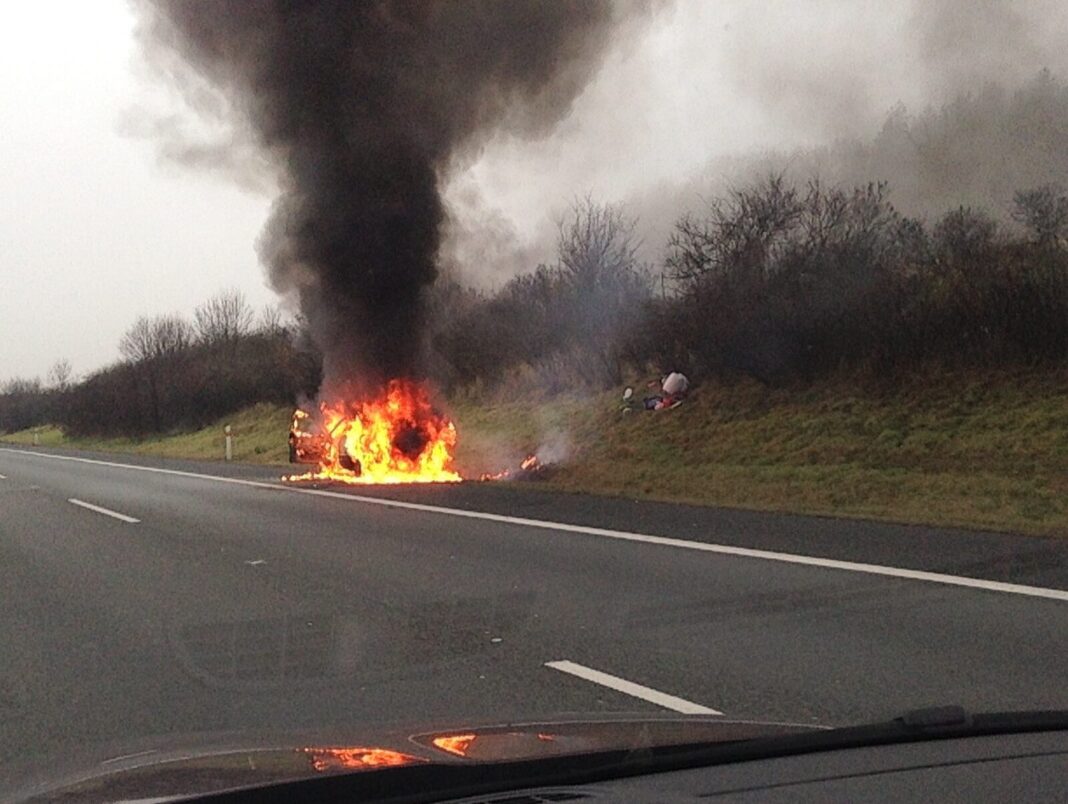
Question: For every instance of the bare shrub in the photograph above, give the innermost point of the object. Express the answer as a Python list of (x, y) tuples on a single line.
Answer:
[(224, 317), (1044, 212), (59, 375)]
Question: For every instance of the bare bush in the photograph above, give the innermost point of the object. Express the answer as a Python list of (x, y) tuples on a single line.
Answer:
[(24, 403), (21, 385), (270, 321), (1044, 211), (738, 237), (153, 347), (224, 317), (579, 307), (600, 282), (59, 375), (780, 283), (191, 388), (964, 235), (155, 338), (596, 244)]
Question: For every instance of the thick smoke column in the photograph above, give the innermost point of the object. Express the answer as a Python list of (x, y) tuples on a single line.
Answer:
[(363, 107)]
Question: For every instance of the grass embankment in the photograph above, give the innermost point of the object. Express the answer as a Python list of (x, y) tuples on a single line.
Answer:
[(989, 451), (259, 437)]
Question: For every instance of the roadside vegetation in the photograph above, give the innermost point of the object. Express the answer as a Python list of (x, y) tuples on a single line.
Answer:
[(987, 450), (846, 358), (259, 431), (968, 449), (175, 375)]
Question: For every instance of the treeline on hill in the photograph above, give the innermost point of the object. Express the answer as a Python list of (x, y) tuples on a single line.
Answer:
[(784, 283), (777, 282), (174, 375)]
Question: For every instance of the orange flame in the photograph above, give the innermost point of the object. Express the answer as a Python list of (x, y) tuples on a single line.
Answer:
[(399, 438), (528, 464), (455, 743), (331, 759)]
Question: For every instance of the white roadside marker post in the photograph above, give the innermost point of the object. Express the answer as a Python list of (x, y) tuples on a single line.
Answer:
[(229, 443)]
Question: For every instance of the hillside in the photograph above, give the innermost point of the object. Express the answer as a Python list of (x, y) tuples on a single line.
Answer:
[(259, 437), (986, 451)]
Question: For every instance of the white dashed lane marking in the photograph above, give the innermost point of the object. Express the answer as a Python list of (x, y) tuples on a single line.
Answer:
[(105, 511), (675, 704)]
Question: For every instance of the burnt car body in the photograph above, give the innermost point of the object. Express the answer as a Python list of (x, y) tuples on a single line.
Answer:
[(308, 443)]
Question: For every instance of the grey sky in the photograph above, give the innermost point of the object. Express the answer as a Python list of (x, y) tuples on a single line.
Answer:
[(93, 231), (96, 229)]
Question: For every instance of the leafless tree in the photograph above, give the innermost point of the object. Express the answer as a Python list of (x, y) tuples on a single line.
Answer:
[(271, 320), (153, 345), (740, 236), (603, 281), (21, 385), (1044, 211), (224, 317), (59, 375), (596, 243), (151, 338), (963, 236)]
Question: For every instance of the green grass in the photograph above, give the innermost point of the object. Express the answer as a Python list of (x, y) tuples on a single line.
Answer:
[(259, 437), (978, 451), (986, 451)]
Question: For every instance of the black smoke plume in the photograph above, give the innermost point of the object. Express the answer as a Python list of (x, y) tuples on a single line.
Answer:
[(363, 106)]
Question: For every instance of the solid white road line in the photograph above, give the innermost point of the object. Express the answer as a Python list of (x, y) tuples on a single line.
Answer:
[(630, 688), (125, 757), (104, 511), (664, 541)]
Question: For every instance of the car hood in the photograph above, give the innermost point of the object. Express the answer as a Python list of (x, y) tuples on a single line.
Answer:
[(177, 768)]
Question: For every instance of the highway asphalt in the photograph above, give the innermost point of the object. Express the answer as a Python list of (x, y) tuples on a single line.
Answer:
[(249, 607)]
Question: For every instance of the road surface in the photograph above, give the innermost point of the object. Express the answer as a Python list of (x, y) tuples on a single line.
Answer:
[(148, 599)]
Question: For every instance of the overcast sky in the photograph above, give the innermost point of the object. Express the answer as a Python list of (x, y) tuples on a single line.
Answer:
[(95, 229)]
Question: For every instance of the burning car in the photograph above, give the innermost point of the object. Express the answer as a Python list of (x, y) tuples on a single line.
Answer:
[(307, 442), (395, 437), (398, 437)]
